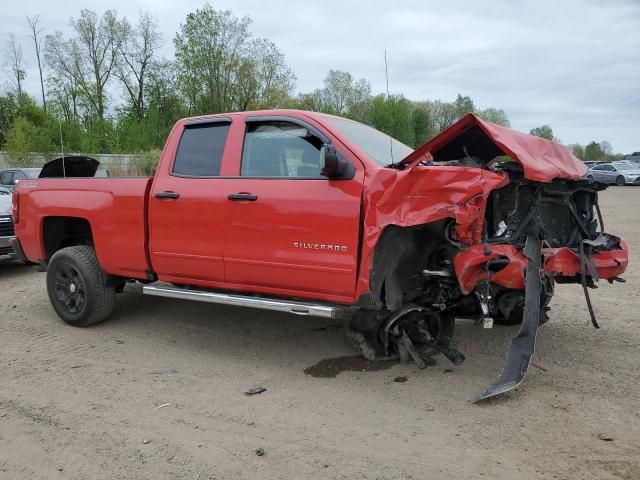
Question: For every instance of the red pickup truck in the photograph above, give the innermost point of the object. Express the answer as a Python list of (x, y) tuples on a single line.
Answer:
[(314, 214)]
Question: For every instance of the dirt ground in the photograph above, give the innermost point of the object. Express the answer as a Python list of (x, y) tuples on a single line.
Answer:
[(156, 392)]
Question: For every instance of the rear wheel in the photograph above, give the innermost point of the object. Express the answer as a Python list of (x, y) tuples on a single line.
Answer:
[(78, 288), (620, 181)]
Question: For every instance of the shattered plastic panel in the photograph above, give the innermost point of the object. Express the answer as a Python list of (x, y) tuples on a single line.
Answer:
[(470, 265), (566, 262)]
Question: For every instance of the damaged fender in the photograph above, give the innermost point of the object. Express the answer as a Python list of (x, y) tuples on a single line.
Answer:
[(407, 198)]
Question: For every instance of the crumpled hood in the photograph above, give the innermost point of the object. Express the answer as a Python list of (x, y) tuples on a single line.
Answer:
[(542, 160)]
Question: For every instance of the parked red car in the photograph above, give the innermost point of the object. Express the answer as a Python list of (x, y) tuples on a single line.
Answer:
[(318, 215)]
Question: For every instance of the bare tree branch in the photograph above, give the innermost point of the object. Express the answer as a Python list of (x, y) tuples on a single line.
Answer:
[(37, 42)]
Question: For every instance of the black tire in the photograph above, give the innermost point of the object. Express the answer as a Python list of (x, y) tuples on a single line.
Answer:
[(620, 181), (78, 288)]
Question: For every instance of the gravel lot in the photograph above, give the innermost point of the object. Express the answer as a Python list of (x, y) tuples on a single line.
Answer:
[(156, 392)]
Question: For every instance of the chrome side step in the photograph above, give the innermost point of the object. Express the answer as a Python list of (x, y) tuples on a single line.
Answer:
[(297, 308)]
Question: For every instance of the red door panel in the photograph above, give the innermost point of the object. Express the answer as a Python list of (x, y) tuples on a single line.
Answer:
[(298, 234), (186, 235), (186, 206)]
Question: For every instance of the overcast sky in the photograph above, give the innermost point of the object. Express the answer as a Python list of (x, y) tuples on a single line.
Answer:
[(574, 65)]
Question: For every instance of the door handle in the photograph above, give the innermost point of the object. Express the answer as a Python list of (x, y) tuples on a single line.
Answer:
[(250, 197), (167, 195)]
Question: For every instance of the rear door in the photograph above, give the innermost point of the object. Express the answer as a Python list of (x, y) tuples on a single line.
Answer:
[(610, 173), (186, 211), (288, 228), (599, 173)]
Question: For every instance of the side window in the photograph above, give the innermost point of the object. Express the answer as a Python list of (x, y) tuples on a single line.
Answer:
[(598, 167), (18, 176), (610, 168), (280, 149), (200, 150), (6, 178)]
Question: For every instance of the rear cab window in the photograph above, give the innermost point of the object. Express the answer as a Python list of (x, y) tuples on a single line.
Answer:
[(200, 150)]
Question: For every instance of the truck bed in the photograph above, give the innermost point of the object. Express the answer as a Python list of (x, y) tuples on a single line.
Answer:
[(115, 208)]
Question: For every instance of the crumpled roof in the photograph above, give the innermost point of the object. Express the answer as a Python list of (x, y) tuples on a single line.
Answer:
[(541, 159)]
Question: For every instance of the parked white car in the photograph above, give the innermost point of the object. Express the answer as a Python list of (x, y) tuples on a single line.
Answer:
[(6, 223), (619, 173)]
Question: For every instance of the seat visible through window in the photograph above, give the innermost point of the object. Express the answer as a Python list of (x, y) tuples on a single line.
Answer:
[(280, 149)]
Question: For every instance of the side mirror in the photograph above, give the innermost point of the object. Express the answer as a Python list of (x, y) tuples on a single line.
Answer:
[(333, 166)]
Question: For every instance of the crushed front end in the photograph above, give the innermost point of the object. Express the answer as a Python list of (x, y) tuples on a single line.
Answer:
[(481, 223)]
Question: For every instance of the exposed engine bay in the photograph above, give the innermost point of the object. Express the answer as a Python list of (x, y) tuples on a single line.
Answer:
[(494, 258)]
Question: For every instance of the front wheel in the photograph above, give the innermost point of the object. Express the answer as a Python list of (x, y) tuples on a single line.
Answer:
[(78, 288), (620, 181)]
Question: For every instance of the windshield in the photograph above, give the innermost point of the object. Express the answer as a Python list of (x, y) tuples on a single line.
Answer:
[(626, 166), (374, 143)]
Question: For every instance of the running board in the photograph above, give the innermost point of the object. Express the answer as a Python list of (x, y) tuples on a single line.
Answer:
[(297, 308)]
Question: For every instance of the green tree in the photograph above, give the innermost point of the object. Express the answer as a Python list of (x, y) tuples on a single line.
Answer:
[(494, 115), (19, 142), (544, 131), (137, 51), (8, 112), (442, 115), (578, 150), (593, 152), (88, 60), (393, 116), (421, 124), (223, 68), (29, 136), (340, 95), (463, 105)]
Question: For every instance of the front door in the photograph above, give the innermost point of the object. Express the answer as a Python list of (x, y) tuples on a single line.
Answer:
[(288, 228), (186, 206)]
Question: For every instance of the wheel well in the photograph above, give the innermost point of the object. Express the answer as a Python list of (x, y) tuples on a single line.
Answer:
[(61, 232), (399, 258)]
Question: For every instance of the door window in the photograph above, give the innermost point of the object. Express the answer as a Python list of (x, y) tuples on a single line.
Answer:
[(6, 178), (200, 150), (280, 149)]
